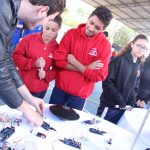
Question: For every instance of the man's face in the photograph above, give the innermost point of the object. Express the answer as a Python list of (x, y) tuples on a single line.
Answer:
[(27, 11), (33, 14), (93, 26)]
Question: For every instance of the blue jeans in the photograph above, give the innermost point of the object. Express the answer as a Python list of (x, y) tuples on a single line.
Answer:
[(39, 95), (111, 114), (62, 98)]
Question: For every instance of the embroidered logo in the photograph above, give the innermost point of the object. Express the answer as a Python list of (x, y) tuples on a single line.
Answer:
[(93, 52), (50, 55)]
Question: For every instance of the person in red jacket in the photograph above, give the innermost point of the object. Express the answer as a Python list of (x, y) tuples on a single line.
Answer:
[(33, 57), (82, 58)]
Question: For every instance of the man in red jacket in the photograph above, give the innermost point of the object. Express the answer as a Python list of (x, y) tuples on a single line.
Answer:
[(82, 59)]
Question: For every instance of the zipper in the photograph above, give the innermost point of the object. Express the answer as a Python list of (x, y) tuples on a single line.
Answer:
[(45, 46)]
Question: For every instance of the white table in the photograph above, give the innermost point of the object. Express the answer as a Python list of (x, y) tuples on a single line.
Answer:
[(121, 140), (131, 121)]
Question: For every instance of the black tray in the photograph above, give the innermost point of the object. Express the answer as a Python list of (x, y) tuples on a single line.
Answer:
[(64, 112)]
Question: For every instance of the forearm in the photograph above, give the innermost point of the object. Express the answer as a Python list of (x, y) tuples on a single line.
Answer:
[(66, 65), (23, 107), (25, 93), (95, 75), (34, 101), (71, 67), (94, 71), (78, 66)]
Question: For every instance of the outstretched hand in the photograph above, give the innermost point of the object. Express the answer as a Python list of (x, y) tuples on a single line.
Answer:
[(32, 116)]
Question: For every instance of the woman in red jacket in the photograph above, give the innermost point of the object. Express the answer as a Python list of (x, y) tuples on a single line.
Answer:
[(34, 57)]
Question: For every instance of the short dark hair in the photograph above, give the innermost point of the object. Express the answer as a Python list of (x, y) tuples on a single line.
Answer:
[(104, 15), (58, 20), (105, 33), (54, 5)]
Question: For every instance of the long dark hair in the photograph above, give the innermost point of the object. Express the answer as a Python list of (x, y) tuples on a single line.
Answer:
[(128, 47)]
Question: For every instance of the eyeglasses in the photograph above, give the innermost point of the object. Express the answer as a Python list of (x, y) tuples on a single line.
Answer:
[(140, 47)]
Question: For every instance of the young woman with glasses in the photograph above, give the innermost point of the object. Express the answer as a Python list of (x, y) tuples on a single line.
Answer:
[(121, 85)]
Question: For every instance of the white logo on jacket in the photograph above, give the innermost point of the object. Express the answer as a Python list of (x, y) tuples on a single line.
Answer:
[(50, 55), (93, 52), (138, 73)]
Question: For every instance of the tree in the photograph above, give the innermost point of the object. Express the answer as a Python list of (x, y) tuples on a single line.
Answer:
[(123, 36)]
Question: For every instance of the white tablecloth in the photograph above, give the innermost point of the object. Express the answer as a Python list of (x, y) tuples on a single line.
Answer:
[(131, 121), (121, 139)]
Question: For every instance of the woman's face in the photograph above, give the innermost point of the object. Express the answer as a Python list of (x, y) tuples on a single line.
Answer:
[(139, 47), (50, 30)]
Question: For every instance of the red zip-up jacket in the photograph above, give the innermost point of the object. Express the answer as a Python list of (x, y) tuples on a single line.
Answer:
[(29, 49), (86, 50)]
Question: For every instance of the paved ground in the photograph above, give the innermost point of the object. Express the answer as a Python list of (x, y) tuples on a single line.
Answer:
[(91, 103)]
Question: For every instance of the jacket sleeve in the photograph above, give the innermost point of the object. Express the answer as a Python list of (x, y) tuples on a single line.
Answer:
[(9, 79), (60, 54), (134, 94), (51, 75), (20, 57), (144, 87), (109, 84), (135, 91), (100, 75), (144, 94)]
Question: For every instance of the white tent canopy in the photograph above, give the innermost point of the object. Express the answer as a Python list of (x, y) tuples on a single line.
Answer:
[(133, 13)]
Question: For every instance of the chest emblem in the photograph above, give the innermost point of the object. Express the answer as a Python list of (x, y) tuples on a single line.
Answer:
[(93, 52), (50, 55)]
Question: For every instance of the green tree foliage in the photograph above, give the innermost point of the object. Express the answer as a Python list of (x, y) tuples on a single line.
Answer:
[(69, 19), (74, 18), (123, 36)]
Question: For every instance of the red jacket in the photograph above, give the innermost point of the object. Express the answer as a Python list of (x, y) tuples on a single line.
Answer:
[(26, 53), (86, 50)]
